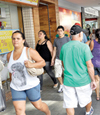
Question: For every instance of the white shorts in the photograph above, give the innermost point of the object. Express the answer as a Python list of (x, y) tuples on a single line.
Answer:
[(58, 68), (74, 95)]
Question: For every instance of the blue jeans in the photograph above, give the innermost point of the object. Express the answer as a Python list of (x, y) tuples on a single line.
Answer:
[(33, 94)]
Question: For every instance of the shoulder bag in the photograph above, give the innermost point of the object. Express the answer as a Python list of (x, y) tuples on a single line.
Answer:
[(2, 93), (34, 71)]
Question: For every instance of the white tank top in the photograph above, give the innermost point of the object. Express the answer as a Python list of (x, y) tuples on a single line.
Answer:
[(21, 80)]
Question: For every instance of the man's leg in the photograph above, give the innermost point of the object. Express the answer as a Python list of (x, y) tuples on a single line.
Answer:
[(61, 84), (70, 111), (58, 74), (88, 107), (60, 80), (70, 99), (97, 89), (84, 98)]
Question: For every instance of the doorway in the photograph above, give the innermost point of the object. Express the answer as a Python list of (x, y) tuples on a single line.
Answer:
[(47, 17)]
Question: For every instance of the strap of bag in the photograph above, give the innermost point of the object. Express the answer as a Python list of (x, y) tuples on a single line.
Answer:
[(0, 82), (28, 54), (90, 43), (29, 58)]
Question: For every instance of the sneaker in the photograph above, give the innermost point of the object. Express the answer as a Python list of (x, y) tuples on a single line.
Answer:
[(55, 86), (60, 89), (91, 111), (41, 91)]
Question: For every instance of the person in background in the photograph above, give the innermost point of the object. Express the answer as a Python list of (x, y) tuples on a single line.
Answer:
[(58, 43), (84, 36), (95, 48), (78, 73), (45, 49), (89, 34), (22, 84)]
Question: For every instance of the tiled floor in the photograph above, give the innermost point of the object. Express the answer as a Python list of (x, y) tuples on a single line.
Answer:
[(54, 100)]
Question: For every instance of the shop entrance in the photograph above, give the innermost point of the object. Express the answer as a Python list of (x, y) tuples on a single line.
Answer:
[(20, 19), (47, 17)]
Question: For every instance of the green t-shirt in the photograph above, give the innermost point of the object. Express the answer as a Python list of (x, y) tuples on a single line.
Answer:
[(74, 55), (57, 36)]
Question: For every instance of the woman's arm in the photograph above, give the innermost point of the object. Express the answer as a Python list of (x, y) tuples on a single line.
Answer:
[(88, 42), (50, 47), (39, 61), (91, 43)]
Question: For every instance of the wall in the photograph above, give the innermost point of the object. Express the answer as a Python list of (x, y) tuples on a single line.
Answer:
[(53, 24), (99, 20), (43, 16), (36, 22), (28, 26), (45, 23), (69, 5), (14, 17)]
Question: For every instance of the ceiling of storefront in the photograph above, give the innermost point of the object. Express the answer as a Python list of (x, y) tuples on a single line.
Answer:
[(87, 3)]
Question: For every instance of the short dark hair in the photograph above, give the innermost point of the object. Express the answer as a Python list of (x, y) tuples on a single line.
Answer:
[(60, 27)]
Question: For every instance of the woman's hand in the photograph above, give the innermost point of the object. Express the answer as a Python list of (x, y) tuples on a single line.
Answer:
[(52, 62), (28, 64)]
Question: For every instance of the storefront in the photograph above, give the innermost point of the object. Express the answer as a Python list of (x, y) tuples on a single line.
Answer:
[(68, 18), (16, 17), (91, 19), (26, 16), (69, 14)]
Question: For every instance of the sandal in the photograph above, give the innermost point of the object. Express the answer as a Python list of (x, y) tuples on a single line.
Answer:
[(97, 98), (55, 86)]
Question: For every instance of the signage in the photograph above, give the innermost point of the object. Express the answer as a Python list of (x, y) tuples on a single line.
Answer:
[(24, 2), (32, 2), (6, 41), (68, 18), (91, 11)]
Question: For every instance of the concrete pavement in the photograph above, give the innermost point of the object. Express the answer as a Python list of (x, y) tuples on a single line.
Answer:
[(54, 100)]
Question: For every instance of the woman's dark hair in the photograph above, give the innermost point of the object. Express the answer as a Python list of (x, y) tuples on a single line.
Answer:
[(46, 37), (97, 34), (25, 43)]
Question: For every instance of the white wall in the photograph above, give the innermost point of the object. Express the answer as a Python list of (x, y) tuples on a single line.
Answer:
[(99, 20), (14, 17), (69, 5)]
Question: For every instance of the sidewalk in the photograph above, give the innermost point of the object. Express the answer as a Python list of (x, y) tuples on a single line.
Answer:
[(54, 100)]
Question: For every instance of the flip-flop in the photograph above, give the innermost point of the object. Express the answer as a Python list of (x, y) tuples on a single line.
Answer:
[(97, 98)]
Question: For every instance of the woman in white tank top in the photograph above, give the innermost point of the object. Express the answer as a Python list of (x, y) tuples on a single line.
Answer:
[(22, 84)]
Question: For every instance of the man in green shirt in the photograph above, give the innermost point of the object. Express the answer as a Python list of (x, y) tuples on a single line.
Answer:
[(78, 69)]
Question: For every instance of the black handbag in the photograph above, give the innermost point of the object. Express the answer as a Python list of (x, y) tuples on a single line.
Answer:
[(2, 100)]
